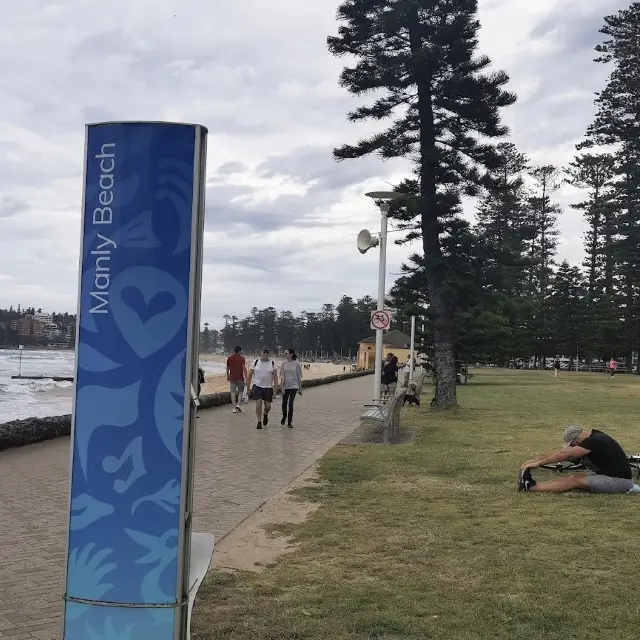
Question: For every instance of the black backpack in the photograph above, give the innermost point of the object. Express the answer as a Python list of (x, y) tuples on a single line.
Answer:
[(273, 364)]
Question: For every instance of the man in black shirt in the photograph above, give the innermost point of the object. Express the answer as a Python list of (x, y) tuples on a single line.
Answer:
[(390, 374), (610, 469)]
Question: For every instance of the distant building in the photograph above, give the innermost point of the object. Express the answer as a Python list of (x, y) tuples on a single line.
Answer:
[(36, 326), (394, 341)]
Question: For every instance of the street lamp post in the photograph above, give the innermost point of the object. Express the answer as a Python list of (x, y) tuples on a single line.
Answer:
[(412, 347), (383, 200)]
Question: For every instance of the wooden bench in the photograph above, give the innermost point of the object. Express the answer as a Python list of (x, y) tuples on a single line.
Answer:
[(385, 415)]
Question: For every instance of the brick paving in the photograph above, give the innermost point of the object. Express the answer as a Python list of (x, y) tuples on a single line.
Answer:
[(237, 469)]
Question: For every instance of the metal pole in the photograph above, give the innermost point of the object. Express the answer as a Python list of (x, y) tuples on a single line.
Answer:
[(382, 268), (20, 363), (412, 353)]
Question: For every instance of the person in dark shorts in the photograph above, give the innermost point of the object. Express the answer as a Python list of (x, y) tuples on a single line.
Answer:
[(264, 376), (390, 374), (610, 469), (237, 377), (556, 368)]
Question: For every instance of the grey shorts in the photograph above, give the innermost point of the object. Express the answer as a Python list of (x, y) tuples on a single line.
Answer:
[(237, 387), (607, 484)]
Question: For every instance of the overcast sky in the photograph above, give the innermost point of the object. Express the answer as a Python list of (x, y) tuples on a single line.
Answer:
[(282, 217)]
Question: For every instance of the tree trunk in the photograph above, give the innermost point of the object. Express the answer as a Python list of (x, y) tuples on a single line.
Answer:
[(443, 352), (444, 355)]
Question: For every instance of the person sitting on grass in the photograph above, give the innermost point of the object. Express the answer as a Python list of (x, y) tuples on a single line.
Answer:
[(610, 469)]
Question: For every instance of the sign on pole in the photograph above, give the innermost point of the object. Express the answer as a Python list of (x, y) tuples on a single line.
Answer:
[(129, 522), (380, 320)]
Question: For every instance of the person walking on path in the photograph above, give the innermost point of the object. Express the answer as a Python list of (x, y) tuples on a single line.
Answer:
[(263, 375), (237, 377), (613, 365), (556, 367), (291, 385)]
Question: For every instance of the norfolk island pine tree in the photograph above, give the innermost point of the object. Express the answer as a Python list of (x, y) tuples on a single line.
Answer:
[(443, 103)]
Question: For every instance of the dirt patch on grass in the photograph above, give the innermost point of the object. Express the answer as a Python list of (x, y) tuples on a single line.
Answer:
[(267, 534)]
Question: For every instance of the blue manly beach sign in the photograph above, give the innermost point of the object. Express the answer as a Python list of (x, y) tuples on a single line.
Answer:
[(136, 362)]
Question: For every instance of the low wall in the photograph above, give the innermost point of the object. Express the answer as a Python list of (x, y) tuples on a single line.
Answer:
[(19, 433)]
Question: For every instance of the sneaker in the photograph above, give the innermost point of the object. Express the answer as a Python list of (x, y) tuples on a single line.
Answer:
[(259, 425), (283, 421), (290, 425), (265, 419), (526, 482), (238, 409), (235, 410)]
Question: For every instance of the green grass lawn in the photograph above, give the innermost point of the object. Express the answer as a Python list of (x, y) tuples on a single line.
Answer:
[(433, 540)]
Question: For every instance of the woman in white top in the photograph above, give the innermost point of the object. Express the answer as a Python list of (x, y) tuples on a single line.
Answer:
[(291, 385)]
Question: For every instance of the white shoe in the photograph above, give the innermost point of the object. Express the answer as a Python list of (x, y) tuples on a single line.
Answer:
[(235, 410)]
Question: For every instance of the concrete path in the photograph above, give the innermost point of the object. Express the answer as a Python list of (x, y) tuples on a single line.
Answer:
[(238, 468)]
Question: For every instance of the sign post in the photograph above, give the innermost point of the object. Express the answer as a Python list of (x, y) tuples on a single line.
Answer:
[(20, 347), (134, 406)]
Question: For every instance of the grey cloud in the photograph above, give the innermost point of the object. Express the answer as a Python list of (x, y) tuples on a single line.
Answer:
[(231, 168), (312, 167), (10, 206), (315, 165)]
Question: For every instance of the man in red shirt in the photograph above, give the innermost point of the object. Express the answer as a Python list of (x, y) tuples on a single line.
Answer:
[(237, 377)]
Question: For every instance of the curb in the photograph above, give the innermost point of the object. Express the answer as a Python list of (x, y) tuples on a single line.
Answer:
[(19, 433)]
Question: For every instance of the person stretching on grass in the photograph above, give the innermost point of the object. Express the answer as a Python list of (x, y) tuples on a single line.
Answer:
[(610, 469)]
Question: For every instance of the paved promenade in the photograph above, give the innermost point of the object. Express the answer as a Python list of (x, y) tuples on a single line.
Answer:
[(238, 468)]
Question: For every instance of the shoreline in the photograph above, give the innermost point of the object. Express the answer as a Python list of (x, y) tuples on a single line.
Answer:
[(26, 431), (217, 383)]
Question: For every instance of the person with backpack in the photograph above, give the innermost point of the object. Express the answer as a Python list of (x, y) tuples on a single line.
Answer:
[(263, 375), (291, 385)]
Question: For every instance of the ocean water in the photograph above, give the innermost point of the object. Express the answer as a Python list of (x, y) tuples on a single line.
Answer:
[(34, 398), (40, 398)]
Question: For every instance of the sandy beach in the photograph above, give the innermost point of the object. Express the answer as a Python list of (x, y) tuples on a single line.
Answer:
[(219, 384)]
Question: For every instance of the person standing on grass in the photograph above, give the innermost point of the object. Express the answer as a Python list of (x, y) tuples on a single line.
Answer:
[(556, 367), (613, 365), (291, 385), (610, 468), (237, 377), (263, 382), (390, 374)]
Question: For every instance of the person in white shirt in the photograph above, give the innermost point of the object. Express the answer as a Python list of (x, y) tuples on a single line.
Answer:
[(263, 375)]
